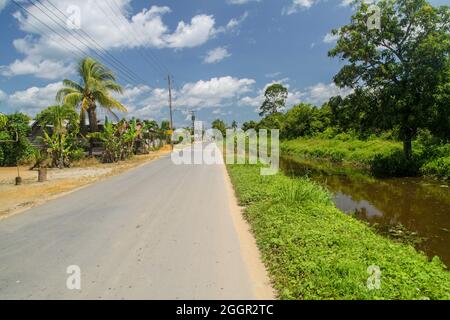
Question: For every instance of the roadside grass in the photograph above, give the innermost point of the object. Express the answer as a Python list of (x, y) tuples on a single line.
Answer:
[(381, 157), (314, 251)]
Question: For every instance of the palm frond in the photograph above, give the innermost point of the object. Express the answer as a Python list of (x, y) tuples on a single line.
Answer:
[(113, 86), (62, 93), (72, 84), (108, 102), (73, 98)]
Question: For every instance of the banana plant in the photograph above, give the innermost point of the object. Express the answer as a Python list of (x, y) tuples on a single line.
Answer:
[(111, 142), (59, 148)]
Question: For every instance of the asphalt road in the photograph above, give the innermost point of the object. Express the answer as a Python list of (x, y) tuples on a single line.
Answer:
[(160, 231)]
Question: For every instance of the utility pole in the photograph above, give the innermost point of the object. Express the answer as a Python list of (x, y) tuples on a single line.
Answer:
[(193, 122), (169, 79)]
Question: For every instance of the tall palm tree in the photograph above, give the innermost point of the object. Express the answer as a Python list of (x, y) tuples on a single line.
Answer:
[(95, 88)]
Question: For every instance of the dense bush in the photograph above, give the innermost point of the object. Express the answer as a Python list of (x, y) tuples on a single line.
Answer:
[(118, 140), (439, 165), (77, 154), (15, 126)]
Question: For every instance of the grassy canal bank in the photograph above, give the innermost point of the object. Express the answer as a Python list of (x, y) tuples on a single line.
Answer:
[(381, 157), (314, 251)]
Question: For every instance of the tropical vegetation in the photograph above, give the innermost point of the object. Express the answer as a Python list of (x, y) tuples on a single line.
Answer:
[(396, 118), (95, 88), (399, 72), (63, 135), (14, 145)]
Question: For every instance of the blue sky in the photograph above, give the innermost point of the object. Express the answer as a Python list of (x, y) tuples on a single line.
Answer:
[(221, 53)]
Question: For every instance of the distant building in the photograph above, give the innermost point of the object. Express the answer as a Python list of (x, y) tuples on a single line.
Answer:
[(37, 133)]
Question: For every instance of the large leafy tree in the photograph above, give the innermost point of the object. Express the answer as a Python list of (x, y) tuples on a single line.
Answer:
[(250, 125), (399, 68), (14, 144), (275, 99), (96, 85)]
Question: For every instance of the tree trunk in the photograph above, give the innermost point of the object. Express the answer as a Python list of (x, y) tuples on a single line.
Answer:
[(407, 147), (93, 126), (42, 174), (83, 128)]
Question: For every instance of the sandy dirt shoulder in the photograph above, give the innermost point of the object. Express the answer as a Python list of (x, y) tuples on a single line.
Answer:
[(16, 199), (263, 289)]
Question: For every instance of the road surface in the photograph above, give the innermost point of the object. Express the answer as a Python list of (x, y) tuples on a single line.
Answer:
[(160, 231)]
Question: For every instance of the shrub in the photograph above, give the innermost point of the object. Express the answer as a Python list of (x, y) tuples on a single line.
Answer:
[(16, 126), (395, 164), (77, 155), (439, 167)]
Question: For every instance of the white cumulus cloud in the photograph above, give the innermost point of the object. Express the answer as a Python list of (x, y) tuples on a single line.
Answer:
[(317, 95), (296, 5), (192, 34), (109, 25), (216, 55), (34, 99), (214, 92)]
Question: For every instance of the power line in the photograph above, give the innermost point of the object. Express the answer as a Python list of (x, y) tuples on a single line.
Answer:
[(93, 41), (118, 28), (77, 48), (124, 71), (153, 54), (50, 28), (154, 64), (170, 108), (140, 41)]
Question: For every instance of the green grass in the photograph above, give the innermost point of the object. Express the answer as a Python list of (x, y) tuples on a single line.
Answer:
[(438, 163), (382, 157), (353, 151), (439, 167), (314, 251)]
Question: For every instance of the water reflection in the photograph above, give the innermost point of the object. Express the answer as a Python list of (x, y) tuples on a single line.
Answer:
[(421, 205)]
